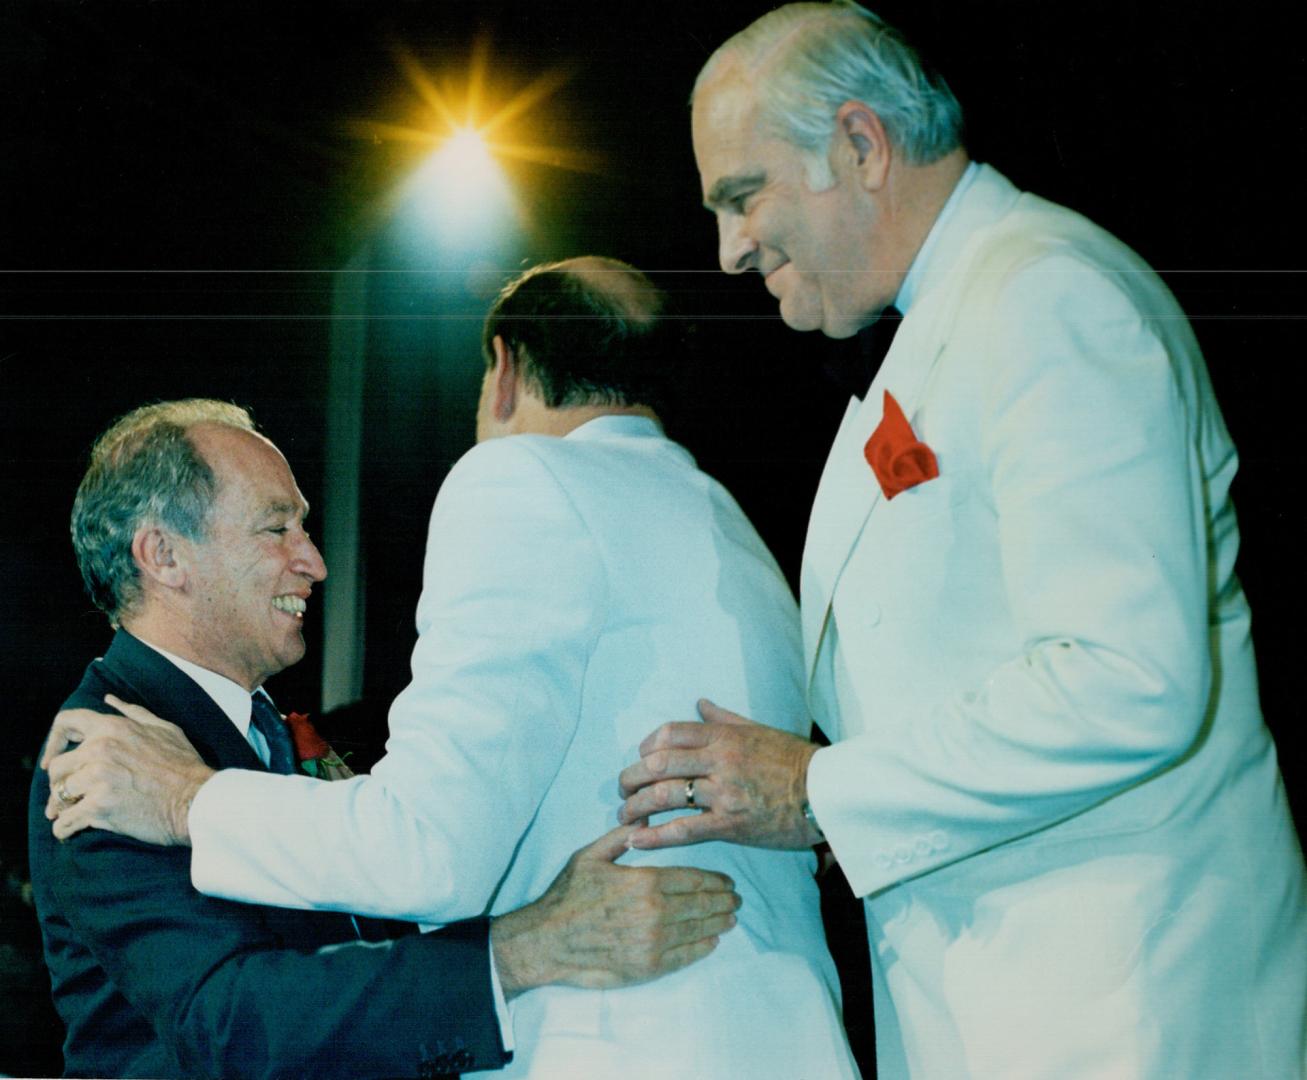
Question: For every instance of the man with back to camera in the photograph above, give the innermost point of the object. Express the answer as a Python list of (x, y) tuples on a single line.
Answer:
[(1050, 779), (189, 530), (582, 576)]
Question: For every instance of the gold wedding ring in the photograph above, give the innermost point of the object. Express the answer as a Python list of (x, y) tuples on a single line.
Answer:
[(689, 794), (68, 800)]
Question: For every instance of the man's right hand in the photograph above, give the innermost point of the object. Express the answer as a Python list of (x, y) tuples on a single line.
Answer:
[(600, 925), (133, 774)]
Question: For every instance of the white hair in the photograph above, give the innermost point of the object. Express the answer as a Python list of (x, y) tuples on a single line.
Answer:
[(809, 59)]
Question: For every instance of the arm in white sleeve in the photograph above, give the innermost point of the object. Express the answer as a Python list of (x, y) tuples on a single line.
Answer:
[(512, 594), (1089, 445)]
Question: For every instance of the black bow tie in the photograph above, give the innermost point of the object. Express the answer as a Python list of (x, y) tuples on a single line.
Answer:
[(855, 367)]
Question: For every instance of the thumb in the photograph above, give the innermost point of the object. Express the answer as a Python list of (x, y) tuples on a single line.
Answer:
[(138, 713), (715, 714), (609, 847)]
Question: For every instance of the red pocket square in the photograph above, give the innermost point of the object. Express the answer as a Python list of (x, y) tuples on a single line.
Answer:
[(895, 454)]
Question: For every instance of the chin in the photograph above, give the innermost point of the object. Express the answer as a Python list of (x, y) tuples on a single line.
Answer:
[(840, 332), (803, 321)]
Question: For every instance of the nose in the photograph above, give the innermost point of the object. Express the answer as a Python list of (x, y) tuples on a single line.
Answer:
[(308, 560), (736, 248)]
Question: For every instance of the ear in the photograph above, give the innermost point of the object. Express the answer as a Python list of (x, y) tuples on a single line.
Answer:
[(862, 139), (154, 550), (504, 378)]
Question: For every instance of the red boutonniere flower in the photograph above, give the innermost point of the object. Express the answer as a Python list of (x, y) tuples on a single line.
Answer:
[(897, 457), (315, 755)]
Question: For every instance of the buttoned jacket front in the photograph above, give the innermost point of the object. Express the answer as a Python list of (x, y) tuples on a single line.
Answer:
[(1051, 783)]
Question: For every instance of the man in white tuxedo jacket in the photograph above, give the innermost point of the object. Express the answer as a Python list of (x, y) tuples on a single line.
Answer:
[(582, 577), (1050, 779)]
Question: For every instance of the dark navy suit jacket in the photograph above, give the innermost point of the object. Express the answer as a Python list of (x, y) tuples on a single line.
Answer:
[(153, 979)]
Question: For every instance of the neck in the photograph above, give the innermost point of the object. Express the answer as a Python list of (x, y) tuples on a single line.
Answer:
[(914, 197), (533, 417), (154, 626)]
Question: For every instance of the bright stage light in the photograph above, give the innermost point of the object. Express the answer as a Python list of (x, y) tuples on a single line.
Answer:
[(459, 195), (460, 191), (466, 165)]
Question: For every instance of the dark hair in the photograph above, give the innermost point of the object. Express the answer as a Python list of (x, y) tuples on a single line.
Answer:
[(144, 469), (587, 331)]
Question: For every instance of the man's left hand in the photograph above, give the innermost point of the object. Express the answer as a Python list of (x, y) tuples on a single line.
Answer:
[(133, 774), (749, 781)]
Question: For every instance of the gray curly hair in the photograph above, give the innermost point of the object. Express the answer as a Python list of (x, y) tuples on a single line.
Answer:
[(144, 469)]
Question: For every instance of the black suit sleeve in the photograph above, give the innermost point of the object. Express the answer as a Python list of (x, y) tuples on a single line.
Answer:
[(238, 990)]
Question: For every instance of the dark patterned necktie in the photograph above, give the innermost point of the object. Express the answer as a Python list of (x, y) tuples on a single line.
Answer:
[(265, 717)]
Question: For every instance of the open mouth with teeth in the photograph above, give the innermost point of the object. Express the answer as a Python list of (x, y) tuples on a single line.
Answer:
[(291, 605)]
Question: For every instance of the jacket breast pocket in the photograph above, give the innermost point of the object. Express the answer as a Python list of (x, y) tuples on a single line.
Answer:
[(913, 547), (926, 500)]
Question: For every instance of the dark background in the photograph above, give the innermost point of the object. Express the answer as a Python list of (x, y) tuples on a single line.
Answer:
[(179, 182)]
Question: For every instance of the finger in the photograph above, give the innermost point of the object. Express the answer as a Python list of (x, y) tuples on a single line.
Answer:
[(69, 727), (715, 714), (690, 829), (683, 763), (139, 713), (62, 767), (72, 821), (609, 847), (633, 778), (695, 907), (684, 955), (684, 734), (54, 806), (692, 930), (690, 879), (664, 795)]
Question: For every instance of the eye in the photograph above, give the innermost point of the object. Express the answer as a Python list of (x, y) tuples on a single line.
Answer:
[(278, 529)]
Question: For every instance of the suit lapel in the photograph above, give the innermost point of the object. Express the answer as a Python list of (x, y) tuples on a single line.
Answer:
[(848, 492), (166, 690), (170, 693)]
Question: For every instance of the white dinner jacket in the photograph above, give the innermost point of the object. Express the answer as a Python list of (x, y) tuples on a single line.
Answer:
[(1051, 782), (577, 592)]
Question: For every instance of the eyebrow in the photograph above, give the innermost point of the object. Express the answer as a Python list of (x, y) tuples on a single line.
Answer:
[(728, 187), (278, 508)]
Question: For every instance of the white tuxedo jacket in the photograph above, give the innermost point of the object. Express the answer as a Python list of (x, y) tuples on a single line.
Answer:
[(1052, 783), (577, 593)]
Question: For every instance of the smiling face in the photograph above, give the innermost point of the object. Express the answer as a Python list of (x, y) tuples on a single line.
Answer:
[(816, 250), (249, 578)]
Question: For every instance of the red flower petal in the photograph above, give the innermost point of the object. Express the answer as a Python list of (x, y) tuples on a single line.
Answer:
[(308, 743)]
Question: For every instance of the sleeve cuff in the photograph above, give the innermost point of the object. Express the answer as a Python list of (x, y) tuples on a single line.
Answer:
[(502, 1012)]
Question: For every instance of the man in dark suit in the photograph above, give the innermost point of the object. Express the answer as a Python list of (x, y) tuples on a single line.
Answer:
[(189, 531)]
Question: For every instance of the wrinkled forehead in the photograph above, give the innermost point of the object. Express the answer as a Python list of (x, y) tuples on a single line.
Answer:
[(726, 100), (246, 465), (724, 125)]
